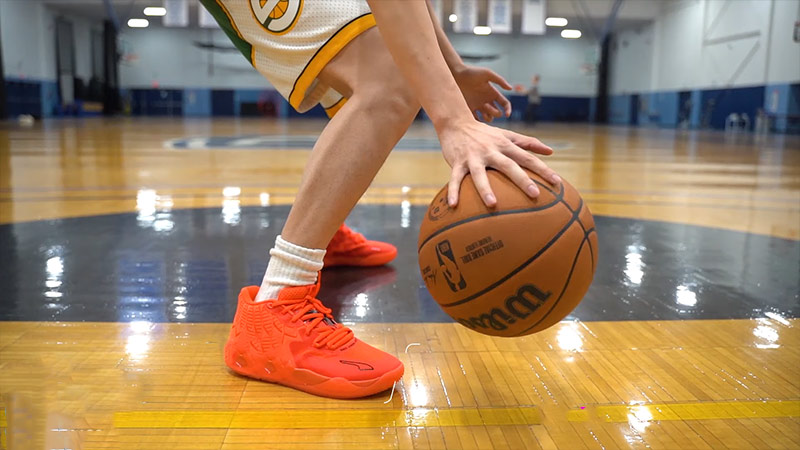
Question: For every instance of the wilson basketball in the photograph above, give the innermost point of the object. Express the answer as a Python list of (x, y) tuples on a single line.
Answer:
[(514, 269)]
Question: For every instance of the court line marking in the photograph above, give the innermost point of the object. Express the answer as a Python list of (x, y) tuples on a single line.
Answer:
[(329, 418), (689, 411), (450, 417)]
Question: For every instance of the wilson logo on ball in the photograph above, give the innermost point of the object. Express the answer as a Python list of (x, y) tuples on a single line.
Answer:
[(519, 306), (449, 267), (276, 16)]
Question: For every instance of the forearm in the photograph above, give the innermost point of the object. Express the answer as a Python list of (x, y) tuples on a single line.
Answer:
[(409, 34), (454, 61)]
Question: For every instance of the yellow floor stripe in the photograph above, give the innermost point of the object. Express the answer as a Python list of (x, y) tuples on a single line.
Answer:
[(689, 411), (333, 418), (424, 417), (3, 427)]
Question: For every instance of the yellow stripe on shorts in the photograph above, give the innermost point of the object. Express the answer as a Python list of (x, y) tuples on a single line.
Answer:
[(326, 53)]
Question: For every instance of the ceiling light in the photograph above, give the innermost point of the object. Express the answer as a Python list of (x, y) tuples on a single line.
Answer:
[(452, 18), (555, 22), (570, 34), (481, 30), (138, 23), (155, 11)]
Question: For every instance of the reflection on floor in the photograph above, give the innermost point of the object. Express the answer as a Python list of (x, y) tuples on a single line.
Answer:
[(188, 265)]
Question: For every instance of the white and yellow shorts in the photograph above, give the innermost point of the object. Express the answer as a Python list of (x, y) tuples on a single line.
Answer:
[(291, 41)]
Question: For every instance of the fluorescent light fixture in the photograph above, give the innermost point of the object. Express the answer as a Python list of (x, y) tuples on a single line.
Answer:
[(481, 30), (555, 22), (155, 11), (453, 18), (138, 23), (570, 34)]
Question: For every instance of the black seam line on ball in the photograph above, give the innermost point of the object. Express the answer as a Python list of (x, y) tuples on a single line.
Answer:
[(522, 266), (591, 248), (560, 197), (555, 201), (563, 289)]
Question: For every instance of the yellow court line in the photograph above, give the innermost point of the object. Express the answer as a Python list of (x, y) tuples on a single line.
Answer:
[(448, 417), (328, 418), (3, 427), (690, 411)]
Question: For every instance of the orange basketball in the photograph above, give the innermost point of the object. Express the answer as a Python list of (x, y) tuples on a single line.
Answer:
[(514, 269)]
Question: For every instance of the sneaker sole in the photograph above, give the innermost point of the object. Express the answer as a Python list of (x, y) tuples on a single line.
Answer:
[(309, 381), (362, 261)]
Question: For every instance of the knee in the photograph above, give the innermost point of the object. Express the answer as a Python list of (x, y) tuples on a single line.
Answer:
[(403, 105), (393, 96)]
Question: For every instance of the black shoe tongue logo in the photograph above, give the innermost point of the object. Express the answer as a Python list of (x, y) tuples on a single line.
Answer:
[(325, 319)]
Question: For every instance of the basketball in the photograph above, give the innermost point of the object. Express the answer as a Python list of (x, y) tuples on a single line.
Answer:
[(512, 270)]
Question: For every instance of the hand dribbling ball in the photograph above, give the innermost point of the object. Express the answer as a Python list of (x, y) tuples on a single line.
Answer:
[(514, 269)]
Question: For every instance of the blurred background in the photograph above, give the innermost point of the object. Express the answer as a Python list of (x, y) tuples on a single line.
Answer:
[(699, 64)]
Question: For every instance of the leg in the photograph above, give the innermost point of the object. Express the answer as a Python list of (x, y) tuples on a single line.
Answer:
[(348, 154), (355, 143), (286, 335)]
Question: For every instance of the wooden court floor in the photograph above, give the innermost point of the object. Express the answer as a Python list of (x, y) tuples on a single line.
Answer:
[(596, 384)]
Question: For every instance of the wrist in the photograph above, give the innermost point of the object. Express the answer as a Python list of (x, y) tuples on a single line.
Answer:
[(457, 67), (450, 123)]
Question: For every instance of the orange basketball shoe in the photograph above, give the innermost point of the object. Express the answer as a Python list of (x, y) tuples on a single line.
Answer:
[(293, 340), (348, 248)]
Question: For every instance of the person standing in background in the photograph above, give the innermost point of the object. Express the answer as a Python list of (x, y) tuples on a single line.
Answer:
[(534, 100)]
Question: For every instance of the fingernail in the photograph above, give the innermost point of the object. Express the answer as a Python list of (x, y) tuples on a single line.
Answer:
[(533, 191), (556, 179), (490, 199)]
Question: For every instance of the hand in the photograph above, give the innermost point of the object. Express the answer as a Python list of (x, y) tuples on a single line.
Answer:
[(471, 147), (476, 86)]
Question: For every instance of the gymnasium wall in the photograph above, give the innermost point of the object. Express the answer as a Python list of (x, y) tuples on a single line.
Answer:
[(696, 62), (171, 59), (558, 61), (29, 54), (706, 59)]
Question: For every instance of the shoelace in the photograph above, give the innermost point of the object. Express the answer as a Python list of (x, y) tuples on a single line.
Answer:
[(313, 312)]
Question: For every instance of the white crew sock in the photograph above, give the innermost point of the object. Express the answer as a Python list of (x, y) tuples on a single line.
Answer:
[(289, 265)]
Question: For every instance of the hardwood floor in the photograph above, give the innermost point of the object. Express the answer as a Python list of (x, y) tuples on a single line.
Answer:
[(141, 384)]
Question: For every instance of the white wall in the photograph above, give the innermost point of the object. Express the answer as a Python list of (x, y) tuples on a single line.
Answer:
[(168, 57), (29, 42), (709, 44), (784, 55), (24, 38), (631, 60), (557, 60)]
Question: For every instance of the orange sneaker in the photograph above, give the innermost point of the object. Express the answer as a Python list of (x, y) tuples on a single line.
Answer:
[(293, 340), (348, 248)]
